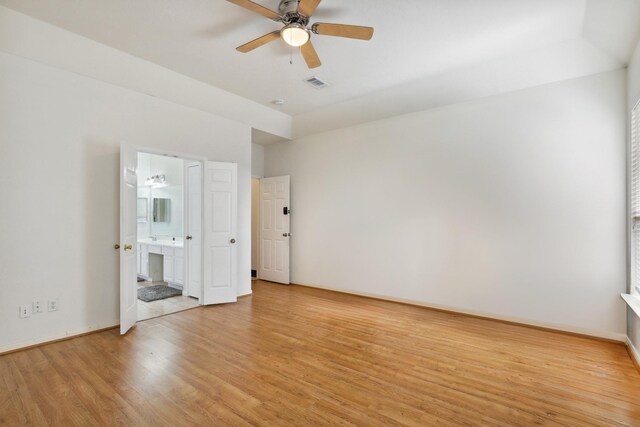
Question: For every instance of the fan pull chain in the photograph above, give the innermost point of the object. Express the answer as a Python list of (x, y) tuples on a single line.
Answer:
[(291, 56)]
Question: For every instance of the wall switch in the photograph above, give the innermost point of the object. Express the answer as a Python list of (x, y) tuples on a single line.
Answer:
[(37, 307), (53, 305), (25, 311)]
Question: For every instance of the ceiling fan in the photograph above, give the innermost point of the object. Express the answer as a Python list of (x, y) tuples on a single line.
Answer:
[(295, 14)]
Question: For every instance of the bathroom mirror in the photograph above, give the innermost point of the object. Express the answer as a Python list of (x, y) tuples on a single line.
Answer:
[(143, 211), (161, 210)]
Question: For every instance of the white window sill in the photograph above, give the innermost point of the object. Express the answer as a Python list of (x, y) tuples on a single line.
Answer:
[(632, 301)]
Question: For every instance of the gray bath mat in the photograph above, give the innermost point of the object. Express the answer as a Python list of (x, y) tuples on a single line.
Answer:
[(157, 292)]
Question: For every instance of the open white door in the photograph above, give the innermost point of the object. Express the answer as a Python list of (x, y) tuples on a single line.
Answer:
[(220, 233), (193, 243), (274, 229), (128, 237)]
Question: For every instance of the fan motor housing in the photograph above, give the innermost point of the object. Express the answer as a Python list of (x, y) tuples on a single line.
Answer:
[(289, 11)]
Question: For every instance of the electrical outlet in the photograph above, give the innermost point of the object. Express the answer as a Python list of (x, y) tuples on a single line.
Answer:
[(37, 307), (25, 311), (53, 305)]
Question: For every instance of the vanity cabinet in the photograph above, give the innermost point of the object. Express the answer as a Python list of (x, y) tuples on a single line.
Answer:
[(143, 260), (169, 265), (172, 262), (179, 266)]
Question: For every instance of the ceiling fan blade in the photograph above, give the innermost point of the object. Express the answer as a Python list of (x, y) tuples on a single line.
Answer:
[(339, 30), (260, 41), (310, 55), (307, 7), (255, 7)]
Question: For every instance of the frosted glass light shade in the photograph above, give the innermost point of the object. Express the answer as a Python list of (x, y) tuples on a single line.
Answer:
[(295, 35)]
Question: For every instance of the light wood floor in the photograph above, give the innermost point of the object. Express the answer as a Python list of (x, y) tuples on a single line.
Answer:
[(298, 356), (149, 310)]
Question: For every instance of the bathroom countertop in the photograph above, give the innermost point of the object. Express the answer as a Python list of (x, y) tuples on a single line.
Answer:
[(168, 243)]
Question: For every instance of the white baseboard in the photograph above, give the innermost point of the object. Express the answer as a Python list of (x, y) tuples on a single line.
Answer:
[(610, 336), (633, 351), (53, 338)]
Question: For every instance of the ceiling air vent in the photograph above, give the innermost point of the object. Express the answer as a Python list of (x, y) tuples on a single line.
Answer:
[(316, 83)]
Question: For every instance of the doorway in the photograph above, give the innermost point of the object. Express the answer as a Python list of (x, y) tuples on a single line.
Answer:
[(273, 229), (161, 229), (190, 252), (255, 227)]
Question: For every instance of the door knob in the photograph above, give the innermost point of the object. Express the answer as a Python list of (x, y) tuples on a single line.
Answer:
[(116, 246), (232, 240), (286, 234), (189, 237), (128, 247)]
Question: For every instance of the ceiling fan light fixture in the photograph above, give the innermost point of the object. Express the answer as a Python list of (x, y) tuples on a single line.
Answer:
[(295, 35)]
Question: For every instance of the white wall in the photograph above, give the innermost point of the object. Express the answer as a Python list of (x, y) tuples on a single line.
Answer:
[(60, 137), (257, 160), (173, 170), (634, 78), (633, 96), (511, 206), (27, 37)]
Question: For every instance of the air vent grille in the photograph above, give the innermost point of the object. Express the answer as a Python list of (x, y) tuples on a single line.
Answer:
[(316, 83)]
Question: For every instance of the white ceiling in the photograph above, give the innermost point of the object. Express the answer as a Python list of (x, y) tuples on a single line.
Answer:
[(417, 44)]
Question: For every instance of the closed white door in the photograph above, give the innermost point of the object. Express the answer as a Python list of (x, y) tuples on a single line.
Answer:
[(193, 241), (220, 233), (274, 229), (128, 237)]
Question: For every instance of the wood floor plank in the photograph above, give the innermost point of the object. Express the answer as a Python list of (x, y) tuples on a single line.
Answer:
[(291, 355)]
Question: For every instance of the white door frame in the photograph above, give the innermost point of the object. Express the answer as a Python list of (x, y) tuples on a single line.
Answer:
[(186, 224), (189, 158)]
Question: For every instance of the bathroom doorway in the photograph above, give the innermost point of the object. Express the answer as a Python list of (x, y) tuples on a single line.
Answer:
[(161, 229), (204, 257)]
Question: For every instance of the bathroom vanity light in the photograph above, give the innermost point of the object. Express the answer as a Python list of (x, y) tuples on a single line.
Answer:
[(156, 181)]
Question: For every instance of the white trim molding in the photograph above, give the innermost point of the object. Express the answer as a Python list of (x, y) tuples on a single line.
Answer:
[(633, 302), (633, 352), (58, 337)]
